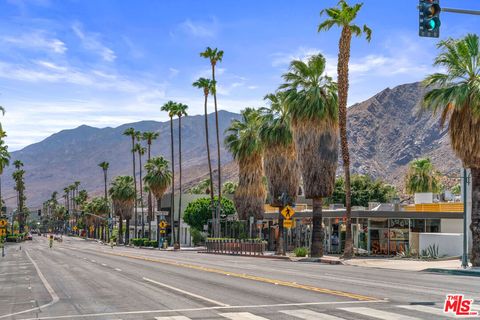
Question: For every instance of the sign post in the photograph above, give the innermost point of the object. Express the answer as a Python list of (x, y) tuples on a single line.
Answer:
[(3, 234)]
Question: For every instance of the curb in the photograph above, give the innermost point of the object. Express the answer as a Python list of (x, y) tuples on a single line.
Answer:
[(470, 273), (248, 256)]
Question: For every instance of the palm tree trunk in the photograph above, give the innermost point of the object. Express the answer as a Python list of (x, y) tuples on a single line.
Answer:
[(135, 187), (212, 201), (127, 231), (317, 230), (106, 202), (217, 222), (172, 198), (150, 205), (342, 69), (179, 178), (475, 223), (1, 201), (280, 245), (120, 230), (141, 195)]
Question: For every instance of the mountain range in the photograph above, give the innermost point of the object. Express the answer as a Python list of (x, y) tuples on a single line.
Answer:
[(386, 132)]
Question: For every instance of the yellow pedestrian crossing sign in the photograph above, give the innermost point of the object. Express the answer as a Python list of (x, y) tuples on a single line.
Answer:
[(3, 223), (288, 212), (162, 224), (92, 228), (75, 228)]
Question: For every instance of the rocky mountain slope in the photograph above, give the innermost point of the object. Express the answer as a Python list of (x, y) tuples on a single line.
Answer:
[(386, 132)]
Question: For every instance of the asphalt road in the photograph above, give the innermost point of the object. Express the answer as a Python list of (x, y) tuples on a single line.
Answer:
[(79, 279)]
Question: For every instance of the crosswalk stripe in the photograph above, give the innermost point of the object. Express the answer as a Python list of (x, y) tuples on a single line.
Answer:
[(172, 318), (378, 314), (431, 310), (307, 314), (241, 316)]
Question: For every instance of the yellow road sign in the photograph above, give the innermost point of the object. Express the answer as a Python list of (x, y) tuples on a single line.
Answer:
[(287, 223), (162, 224), (288, 212), (92, 228), (3, 223), (75, 228)]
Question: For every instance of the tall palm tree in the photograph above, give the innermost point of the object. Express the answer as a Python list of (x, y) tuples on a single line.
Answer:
[(158, 177), (181, 111), (279, 159), (343, 16), (18, 177), (208, 86), (123, 195), (244, 143), (421, 177), (75, 194), (456, 93), (215, 56), (149, 137), (312, 103), (105, 165), (131, 133), (67, 197), (141, 151), (171, 108)]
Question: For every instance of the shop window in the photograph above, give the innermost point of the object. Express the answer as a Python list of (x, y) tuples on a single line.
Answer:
[(433, 225), (417, 225)]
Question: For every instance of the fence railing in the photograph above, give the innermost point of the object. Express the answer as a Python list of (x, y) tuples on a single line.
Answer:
[(234, 246)]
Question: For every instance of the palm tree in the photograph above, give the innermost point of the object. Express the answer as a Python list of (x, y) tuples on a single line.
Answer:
[(171, 108), (141, 151), (149, 136), (122, 192), (422, 177), (215, 56), (279, 159), (208, 86), (456, 94), (244, 143), (18, 177), (312, 104), (181, 111), (343, 16), (67, 197), (158, 177), (4, 162), (75, 193), (105, 165), (131, 133)]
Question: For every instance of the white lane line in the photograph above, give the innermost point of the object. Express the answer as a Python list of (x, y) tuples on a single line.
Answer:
[(45, 284), (173, 318), (186, 293), (241, 316), (103, 264), (378, 314), (431, 310), (117, 269), (308, 314), (96, 315)]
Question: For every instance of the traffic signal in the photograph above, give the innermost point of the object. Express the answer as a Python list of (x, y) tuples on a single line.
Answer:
[(39, 212), (429, 18)]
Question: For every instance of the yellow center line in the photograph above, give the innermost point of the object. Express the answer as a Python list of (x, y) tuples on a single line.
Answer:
[(251, 277)]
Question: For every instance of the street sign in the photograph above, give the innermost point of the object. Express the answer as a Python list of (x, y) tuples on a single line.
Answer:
[(288, 212), (162, 231), (287, 223), (92, 228), (162, 224), (75, 228), (3, 223)]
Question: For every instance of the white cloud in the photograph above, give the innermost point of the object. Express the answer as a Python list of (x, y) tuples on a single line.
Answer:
[(38, 40), (252, 87), (201, 29), (173, 72), (92, 43)]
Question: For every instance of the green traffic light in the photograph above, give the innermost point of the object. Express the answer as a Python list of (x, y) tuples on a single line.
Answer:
[(431, 25)]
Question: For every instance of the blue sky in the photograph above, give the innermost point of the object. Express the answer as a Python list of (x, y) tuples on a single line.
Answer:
[(105, 63)]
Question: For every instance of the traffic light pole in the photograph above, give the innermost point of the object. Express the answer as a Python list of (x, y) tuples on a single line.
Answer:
[(452, 10)]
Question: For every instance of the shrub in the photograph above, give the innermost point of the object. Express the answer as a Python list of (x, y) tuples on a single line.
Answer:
[(138, 241), (197, 237), (153, 243), (301, 252)]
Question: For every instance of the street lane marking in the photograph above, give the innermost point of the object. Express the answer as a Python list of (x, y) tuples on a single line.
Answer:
[(378, 314), (103, 264), (241, 316), (172, 318), (431, 310), (307, 314), (250, 277), (95, 315), (117, 269), (45, 284), (186, 292)]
